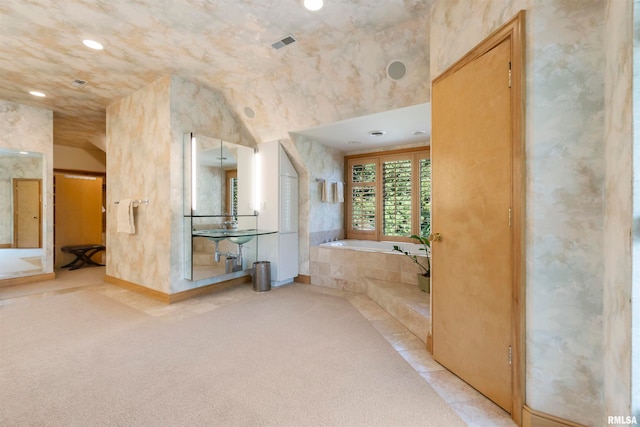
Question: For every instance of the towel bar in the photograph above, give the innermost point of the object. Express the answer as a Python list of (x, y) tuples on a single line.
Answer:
[(135, 202)]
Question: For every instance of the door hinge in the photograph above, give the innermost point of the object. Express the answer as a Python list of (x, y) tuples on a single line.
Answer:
[(510, 355), (509, 74), (510, 216)]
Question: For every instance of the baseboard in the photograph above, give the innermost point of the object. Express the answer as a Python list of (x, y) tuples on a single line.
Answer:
[(178, 296), (303, 278), (203, 290), (533, 418), (139, 289), (5, 245), (429, 343), (27, 279)]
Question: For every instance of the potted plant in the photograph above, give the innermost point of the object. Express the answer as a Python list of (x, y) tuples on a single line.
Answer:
[(424, 276)]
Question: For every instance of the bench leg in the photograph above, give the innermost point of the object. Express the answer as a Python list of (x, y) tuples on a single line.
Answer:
[(83, 257)]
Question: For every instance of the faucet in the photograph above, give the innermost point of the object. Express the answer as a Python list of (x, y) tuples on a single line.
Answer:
[(230, 224)]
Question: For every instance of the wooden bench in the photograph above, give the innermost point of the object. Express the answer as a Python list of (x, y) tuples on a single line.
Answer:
[(83, 255)]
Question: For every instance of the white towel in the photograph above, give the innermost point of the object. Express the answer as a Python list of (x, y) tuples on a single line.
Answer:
[(124, 217), (338, 192), (326, 191)]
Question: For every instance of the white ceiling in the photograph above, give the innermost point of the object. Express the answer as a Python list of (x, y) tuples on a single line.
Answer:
[(336, 70), (400, 127)]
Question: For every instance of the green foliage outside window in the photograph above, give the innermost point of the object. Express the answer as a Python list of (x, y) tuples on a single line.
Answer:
[(425, 197)]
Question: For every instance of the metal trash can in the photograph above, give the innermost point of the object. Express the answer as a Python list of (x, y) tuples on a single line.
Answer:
[(230, 264), (261, 276)]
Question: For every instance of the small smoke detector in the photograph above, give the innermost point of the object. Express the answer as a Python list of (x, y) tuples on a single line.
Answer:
[(286, 40), (78, 83)]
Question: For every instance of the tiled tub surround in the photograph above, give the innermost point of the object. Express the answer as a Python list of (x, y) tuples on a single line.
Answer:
[(346, 264)]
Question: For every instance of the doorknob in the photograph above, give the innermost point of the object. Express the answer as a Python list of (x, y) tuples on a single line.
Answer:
[(435, 237)]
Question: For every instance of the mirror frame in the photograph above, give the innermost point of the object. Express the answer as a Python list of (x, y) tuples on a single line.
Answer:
[(44, 212)]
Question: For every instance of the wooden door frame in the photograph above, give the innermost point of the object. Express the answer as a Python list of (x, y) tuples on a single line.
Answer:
[(514, 30), (14, 184)]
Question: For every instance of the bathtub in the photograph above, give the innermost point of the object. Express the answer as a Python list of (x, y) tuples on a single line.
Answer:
[(373, 246), (351, 264)]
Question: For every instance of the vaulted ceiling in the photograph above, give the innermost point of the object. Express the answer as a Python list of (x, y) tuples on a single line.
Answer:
[(336, 70)]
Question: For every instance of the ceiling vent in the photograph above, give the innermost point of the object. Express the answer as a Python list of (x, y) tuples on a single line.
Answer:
[(286, 40), (78, 83)]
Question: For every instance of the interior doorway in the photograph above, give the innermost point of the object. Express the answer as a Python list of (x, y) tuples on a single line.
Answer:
[(78, 213), (477, 218), (27, 211)]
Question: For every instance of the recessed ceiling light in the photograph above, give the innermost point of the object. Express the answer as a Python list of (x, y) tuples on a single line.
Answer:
[(36, 93), (24, 152), (313, 5), (377, 132), (92, 44), (418, 132)]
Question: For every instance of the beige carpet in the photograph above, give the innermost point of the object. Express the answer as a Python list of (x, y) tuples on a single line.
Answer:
[(288, 357)]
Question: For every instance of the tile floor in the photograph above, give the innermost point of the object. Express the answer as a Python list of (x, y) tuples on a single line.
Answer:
[(471, 406)]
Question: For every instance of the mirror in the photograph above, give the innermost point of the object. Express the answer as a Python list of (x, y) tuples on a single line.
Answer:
[(21, 214), (218, 177), (219, 220)]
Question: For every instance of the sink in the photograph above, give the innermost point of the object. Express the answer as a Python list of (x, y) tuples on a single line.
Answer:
[(239, 237), (241, 240), (214, 235)]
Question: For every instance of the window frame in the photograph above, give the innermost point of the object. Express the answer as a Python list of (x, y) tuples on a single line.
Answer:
[(415, 154)]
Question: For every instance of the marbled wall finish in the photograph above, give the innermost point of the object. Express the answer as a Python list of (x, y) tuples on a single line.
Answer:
[(145, 152), (138, 166), (13, 167), (31, 129), (618, 207), (326, 219), (304, 96), (635, 248), (565, 175)]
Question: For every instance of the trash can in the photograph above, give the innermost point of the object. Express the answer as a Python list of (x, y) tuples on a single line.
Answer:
[(230, 264), (261, 276)]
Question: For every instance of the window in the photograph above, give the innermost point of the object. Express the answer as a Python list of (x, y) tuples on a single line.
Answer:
[(388, 195), (363, 196)]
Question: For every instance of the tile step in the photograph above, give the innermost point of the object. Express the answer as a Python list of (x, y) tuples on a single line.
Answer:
[(405, 302)]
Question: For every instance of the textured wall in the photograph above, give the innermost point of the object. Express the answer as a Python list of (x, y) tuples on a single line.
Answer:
[(635, 351), (31, 129), (145, 147), (326, 219), (618, 210), (138, 167), (565, 184)]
